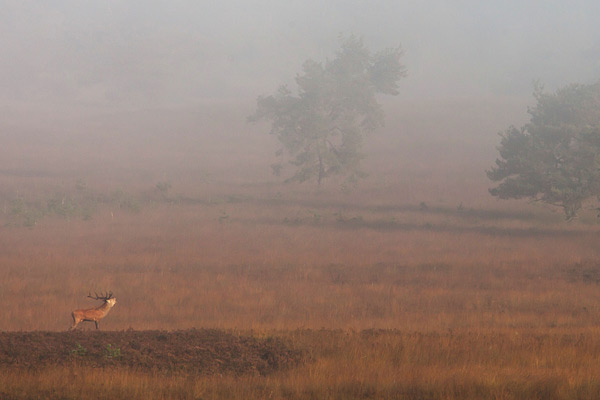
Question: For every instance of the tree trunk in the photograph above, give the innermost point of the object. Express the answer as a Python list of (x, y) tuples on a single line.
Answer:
[(321, 170)]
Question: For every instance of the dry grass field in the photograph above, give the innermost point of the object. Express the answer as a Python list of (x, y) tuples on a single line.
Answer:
[(416, 285)]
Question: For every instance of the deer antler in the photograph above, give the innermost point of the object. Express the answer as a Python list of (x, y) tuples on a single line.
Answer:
[(101, 297)]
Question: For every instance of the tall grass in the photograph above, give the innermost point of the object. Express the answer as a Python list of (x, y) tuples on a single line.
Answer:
[(180, 266), (435, 304), (358, 365)]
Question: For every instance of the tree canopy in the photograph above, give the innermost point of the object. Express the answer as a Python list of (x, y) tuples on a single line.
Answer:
[(555, 158), (321, 127)]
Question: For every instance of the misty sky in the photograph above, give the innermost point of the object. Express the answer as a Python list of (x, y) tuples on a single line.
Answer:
[(117, 54)]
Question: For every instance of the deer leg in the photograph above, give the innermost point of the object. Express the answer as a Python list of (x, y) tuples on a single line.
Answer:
[(75, 322), (96, 322)]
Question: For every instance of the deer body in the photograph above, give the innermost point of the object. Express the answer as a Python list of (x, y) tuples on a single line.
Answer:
[(94, 314)]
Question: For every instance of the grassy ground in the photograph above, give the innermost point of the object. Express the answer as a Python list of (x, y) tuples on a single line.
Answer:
[(357, 365), (389, 301), (416, 285)]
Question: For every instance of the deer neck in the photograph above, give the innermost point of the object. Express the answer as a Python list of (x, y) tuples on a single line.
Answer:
[(104, 307)]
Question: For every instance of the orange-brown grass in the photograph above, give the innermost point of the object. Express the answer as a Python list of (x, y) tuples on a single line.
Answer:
[(181, 266), (481, 305), (358, 365), (489, 302), (500, 301)]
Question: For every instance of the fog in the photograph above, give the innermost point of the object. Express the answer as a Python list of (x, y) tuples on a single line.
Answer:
[(137, 54), (470, 63)]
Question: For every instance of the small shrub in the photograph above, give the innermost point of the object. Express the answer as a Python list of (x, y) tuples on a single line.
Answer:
[(223, 217), (163, 187), (79, 350), (112, 352), (126, 201)]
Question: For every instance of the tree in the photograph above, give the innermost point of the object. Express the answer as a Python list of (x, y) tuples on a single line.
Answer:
[(555, 158), (322, 126)]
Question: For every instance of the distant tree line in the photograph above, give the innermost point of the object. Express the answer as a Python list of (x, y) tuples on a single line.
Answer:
[(554, 159)]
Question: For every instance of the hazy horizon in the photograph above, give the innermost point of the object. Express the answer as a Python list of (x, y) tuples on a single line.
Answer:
[(135, 55), (148, 89)]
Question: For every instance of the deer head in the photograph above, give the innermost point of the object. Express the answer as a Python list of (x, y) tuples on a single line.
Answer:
[(107, 298)]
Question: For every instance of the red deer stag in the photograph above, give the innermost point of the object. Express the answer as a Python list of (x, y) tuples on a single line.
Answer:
[(94, 314)]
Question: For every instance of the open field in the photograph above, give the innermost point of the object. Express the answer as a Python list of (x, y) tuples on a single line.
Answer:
[(415, 285), (384, 302), (254, 265)]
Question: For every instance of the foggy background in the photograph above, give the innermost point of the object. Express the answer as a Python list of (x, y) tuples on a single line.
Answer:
[(85, 85)]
